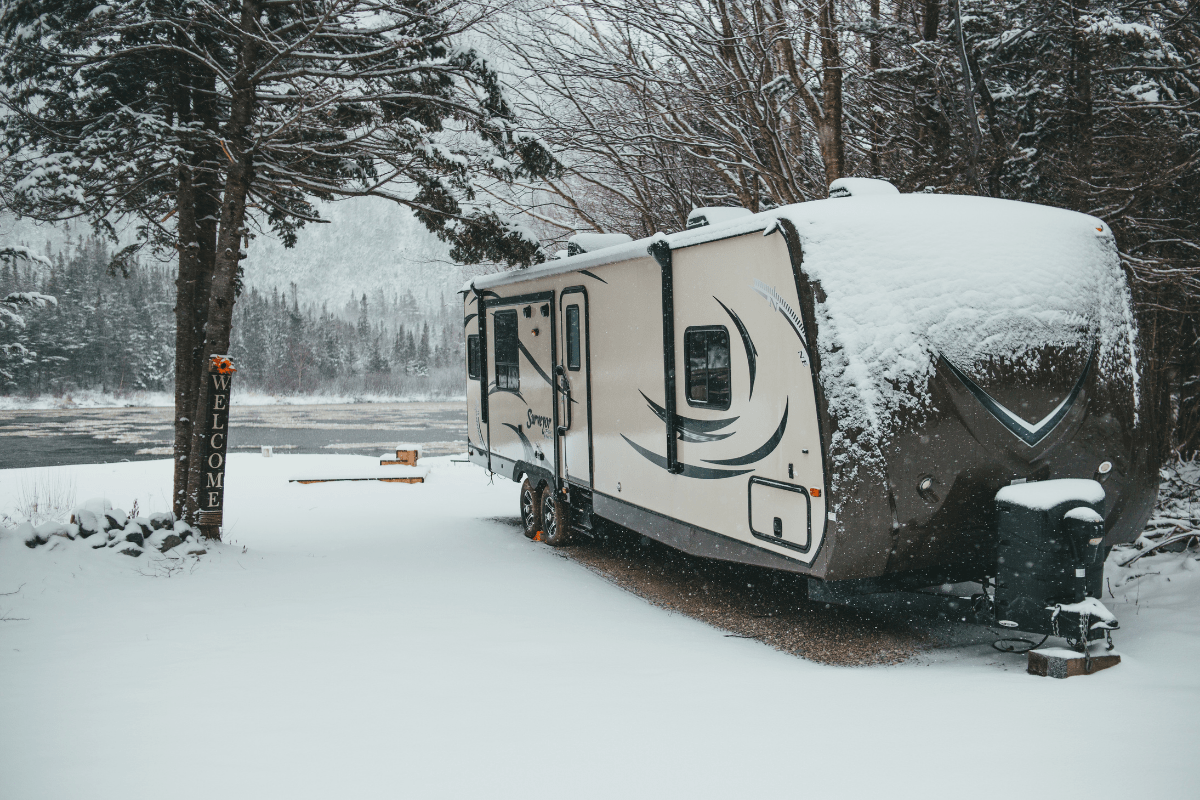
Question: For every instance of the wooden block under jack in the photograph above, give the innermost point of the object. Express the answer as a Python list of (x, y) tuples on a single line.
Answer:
[(404, 458), (1058, 662), (402, 480)]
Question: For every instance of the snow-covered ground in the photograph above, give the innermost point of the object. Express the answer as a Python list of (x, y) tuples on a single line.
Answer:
[(366, 640)]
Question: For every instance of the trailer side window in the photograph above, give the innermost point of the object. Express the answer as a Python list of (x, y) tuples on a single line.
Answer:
[(508, 374), (473, 356), (706, 351), (573, 338)]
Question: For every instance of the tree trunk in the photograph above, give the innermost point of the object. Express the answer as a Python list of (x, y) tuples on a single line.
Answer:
[(993, 118), (1081, 106), (876, 126), (196, 231), (829, 130), (186, 335), (230, 234), (1186, 440), (930, 20), (972, 115)]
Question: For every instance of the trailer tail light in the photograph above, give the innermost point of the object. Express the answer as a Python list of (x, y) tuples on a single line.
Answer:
[(815, 492)]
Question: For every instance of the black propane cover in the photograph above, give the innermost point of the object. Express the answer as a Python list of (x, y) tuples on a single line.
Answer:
[(1044, 558)]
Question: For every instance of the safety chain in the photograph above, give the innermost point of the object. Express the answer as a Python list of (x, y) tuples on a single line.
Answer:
[(1084, 619)]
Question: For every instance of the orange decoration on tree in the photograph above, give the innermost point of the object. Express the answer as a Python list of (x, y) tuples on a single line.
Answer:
[(222, 365)]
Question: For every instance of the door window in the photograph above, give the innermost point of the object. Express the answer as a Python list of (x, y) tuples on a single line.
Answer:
[(473, 356), (573, 338), (706, 351), (508, 375)]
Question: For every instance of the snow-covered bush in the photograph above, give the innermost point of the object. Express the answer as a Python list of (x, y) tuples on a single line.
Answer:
[(45, 496), (103, 527), (1175, 524)]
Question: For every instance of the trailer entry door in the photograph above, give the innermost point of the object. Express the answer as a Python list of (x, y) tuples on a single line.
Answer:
[(574, 376)]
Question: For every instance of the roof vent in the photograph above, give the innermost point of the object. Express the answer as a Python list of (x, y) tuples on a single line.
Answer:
[(860, 187), (714, 215), (591, 242)]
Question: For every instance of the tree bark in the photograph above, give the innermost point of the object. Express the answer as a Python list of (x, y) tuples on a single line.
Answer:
[(969, 111), (829, 133), (230, 234), (1081, 106), (196, 232), (873, 61), (186, 336), (930, 20)]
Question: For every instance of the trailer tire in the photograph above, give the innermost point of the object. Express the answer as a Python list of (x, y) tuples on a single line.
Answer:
[(556, 528), (531, 508)]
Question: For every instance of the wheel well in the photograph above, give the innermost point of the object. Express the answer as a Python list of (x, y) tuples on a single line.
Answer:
[(536, 476)]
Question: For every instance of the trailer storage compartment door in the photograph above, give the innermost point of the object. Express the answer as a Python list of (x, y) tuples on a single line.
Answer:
[(781, 513)]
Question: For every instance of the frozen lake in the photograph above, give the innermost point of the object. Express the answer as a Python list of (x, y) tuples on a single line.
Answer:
[(50, 438)]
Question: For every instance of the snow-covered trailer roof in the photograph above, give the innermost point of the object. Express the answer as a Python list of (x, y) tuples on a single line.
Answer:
[(906, 278)]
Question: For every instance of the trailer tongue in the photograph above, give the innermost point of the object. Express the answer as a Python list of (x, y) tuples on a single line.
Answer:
[(1048, 569)]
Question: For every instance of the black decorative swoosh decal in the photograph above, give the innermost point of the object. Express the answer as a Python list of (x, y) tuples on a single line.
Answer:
[(536, 366), (772, 296), (467, 319), (1029, 434), (485, 294), (525, 443), (494, 388), (751, 351), (590, 275), (759, 454), (693, 430), (688, 470)]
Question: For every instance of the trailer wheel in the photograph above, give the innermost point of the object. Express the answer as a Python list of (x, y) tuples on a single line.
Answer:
[(531, 508), (555, 522)]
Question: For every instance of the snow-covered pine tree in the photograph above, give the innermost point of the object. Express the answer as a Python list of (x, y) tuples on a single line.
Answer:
[(18, 353), (204, 120)]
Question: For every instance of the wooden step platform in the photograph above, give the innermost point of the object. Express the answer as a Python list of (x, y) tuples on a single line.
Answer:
[(1058, 662), (406, 456), (400, 474), (334, 480)]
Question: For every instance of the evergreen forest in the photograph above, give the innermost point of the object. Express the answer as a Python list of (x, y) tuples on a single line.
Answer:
[(113, 331)]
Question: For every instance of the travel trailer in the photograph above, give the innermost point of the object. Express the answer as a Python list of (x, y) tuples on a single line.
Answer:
[(838, 388)]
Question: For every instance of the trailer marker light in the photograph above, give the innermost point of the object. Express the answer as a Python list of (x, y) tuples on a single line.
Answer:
[(925, 485), (1104, 468), (815, 492), (1008, 623)]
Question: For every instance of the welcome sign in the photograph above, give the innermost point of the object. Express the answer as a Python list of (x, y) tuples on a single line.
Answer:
[(212, 485)]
